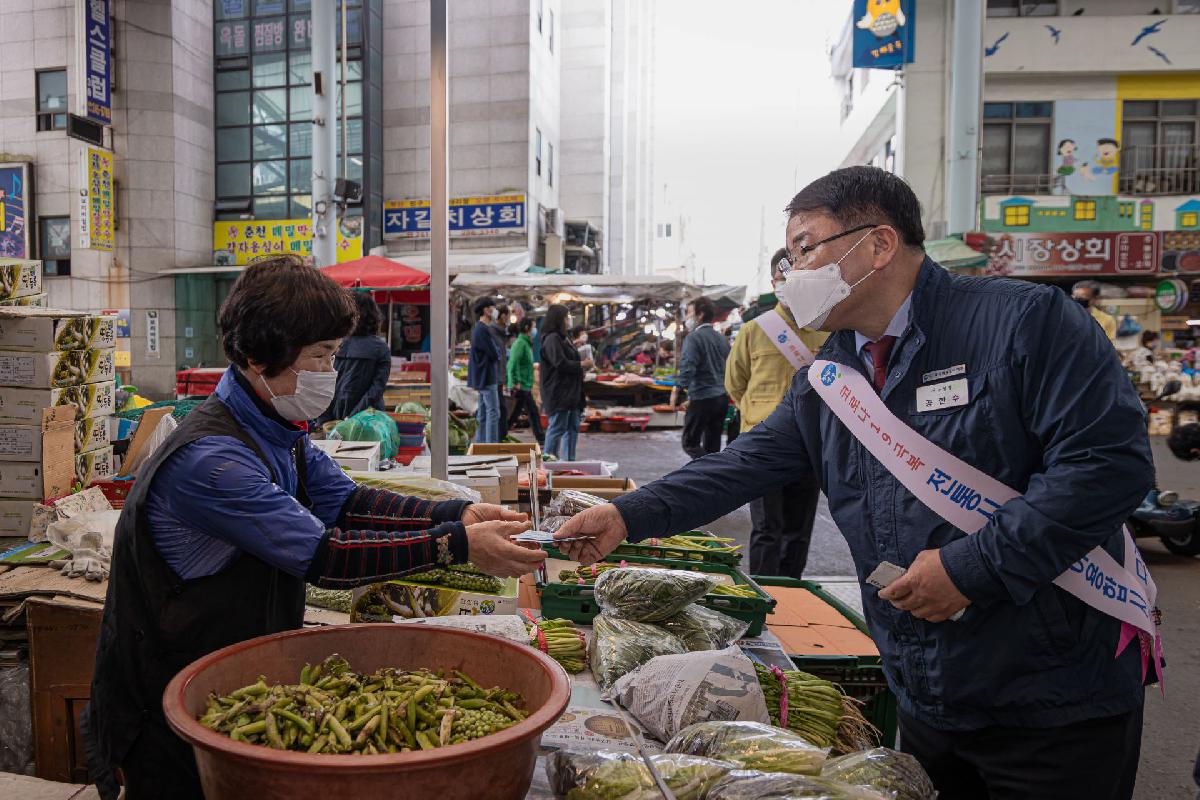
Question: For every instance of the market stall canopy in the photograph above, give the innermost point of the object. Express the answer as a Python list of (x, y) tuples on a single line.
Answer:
[(539, 289), (487, 262), (394, 282), (951, 253)]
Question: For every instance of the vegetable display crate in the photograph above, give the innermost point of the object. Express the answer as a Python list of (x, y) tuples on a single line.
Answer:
[(861, 677), (577, 602), (650, 549)]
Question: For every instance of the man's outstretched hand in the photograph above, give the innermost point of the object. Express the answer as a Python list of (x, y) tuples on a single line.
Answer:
[(604, 527)]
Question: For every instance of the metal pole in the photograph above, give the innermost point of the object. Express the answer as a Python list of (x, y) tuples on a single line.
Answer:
[(324, 160), (439, 241), (965, 92), (898, 160), (344, 172)]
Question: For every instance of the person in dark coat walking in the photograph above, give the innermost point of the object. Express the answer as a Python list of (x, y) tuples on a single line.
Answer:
[(562, 383), (483, 370), (364, 364)]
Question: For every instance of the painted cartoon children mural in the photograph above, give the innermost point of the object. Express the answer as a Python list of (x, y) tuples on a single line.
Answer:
[(1066, 166), (1107, 159)]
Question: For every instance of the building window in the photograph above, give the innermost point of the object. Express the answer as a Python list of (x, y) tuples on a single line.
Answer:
[(550, 163), (1016, 147), (1158, 147), (1022, 8), (668, 230), (1189, 219), (1016, 215), (54, 244), (263, 83), (1085, 209), (552, 30), (537, 150), (52, 100)]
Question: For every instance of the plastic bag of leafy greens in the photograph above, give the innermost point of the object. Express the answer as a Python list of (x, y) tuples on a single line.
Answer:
[(751, 785), (649, 595), (570, 502), (701, 628), (754, 745), (627, 777), (621, 645), (897, 774)]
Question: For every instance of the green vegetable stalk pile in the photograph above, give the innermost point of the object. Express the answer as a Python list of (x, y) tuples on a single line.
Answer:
[(817, 710), (622, 645), (750, 785), (624, 776), (561, 640), (465, 577), (897, 774), (650, 595), (695, 541), (338, 711), (753, 745)]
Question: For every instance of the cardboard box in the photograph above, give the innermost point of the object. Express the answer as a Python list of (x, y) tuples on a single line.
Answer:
[(606, 488), (16, 517), (522, 450), (600, 469), (95, 466), (92, 434), (358, 456), (505, 466), (57, 369), (401, 599), (19, 278), (25, 405), (20, 442), (29, 301), (54, 473), (45, 330), (485, 480)]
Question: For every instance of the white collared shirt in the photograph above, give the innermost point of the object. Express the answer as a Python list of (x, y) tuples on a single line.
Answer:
[(896, 328)]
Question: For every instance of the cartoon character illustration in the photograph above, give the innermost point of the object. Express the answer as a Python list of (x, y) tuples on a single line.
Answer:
[(1107, 160), (1066, 149), (882, 17)]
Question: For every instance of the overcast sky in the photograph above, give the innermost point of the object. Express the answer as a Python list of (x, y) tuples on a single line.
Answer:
[(746, 114)]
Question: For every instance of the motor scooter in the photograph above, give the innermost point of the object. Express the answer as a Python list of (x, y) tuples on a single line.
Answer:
[(1175, 521)]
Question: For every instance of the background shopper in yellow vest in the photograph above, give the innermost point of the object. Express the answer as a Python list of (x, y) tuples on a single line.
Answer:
[(1088, 296), (757, 375)]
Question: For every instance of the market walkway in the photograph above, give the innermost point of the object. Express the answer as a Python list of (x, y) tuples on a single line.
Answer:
[(1172, 734)]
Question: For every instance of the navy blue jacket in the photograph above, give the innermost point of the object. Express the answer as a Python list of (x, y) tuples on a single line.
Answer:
[(1052, 414), (483, 365), (364, 365), (702, 363)]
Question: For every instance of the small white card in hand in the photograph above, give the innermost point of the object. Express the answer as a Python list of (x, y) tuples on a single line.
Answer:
[(887, 573), (542, 537)]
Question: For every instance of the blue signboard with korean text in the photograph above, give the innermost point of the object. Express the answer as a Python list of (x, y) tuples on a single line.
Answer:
[(884, 33), (14, 219), (97, 61), (469, 216)]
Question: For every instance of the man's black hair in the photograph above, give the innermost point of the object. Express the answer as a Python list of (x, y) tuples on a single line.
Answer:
[(1149, 338), (704, 309), (861, 195), (1184, 441), (279, 306), (1113, 142), (370, 318), (483, 303)]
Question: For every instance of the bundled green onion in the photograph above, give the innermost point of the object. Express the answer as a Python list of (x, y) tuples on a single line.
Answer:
[(816, 709), (559, 639)]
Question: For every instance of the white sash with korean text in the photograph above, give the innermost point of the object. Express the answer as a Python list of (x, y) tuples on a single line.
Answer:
[(967, 498), (786, 340)]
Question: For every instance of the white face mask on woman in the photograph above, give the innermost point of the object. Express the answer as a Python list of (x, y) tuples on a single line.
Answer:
[(314, 393), (810, 294)]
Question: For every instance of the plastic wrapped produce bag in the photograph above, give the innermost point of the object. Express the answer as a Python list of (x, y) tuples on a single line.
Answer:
[(754, 745), (620, 646), (701, 628), (607, 775), (743, 785), (649, 595), (898, 775)]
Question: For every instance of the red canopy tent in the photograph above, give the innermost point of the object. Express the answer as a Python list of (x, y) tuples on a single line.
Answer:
[(391, 281)]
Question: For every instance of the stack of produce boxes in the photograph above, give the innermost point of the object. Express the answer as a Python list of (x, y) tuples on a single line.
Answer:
[(21, 282), (51, 358)]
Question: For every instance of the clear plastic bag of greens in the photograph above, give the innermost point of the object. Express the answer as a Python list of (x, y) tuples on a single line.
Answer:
[(897, 774), (625, 776), (621, 645), (701, 628), (752, 785), (650, 595), (754, 745), (570, 502)]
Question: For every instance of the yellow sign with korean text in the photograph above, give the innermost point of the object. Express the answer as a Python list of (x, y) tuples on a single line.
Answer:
[(97, 209), (245, 241)]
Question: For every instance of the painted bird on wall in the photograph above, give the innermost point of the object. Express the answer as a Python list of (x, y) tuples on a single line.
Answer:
[(1054, 32), (1149, 30), (991, 51)]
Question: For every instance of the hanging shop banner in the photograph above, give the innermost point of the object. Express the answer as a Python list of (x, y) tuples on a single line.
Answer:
[(1049, 255), (242, 242), (14, 219), (153, 344), (884, 35), (469, 216), (1181, 252), (96, 62), (96, 198), (122, 322)]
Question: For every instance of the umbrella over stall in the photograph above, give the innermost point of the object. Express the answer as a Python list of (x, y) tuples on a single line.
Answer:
[(389, 282)]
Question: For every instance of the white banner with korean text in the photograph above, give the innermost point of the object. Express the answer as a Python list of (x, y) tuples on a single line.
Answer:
[(786, 340)]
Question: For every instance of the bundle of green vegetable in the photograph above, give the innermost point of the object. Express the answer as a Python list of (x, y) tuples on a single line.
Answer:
[(586, 575), (624, 776), (816, 709), (422, 486), (695, 541), (897, 774), (621, 645), (559, 639), (459, 576), (650, 595), (701, 628), (754, 745), (735, 590), (333, 599), (750, 785), (336, 710)]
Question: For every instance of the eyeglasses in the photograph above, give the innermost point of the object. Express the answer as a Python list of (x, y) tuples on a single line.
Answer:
[(787, 263)]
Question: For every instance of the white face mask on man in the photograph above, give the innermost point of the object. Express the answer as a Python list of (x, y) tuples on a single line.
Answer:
[(314, 393), (810, 294)]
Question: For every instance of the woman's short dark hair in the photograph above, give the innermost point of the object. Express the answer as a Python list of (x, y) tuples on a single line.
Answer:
[(861, 196), (279, 306), (1184, 441), (525, 325), (1149, 338), (483, 303), (370, 318), (704, 309), (555, 320)]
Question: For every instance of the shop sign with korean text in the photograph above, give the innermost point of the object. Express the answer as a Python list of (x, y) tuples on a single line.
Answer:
[(95, 38), (14, 219), (96, 201), (469, 216), (884, 33), (245, 241), (1037, 255)]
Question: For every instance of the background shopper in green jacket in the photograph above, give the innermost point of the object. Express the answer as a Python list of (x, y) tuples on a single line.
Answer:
[(520, 378)]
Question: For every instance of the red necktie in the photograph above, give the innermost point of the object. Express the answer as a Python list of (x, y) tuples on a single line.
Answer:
[(879, 352)]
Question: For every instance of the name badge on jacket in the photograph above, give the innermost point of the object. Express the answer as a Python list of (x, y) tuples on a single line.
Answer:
[(943, 395)]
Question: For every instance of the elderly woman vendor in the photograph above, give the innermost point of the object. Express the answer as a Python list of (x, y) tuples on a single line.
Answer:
[(237, 510)]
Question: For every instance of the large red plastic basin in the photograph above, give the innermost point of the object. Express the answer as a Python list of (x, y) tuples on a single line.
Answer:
[(499, 766)]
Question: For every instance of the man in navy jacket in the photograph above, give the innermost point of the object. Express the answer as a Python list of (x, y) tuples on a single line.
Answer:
[(1021, 696)]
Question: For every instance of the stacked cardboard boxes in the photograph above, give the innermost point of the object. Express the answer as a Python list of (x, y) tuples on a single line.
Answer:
[(56, 403)]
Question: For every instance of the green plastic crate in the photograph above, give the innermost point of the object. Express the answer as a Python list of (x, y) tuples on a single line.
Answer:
[(659, 552), (577, 602), (861, 677)]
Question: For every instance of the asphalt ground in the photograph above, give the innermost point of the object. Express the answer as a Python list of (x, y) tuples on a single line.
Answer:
[(1172, 722)]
